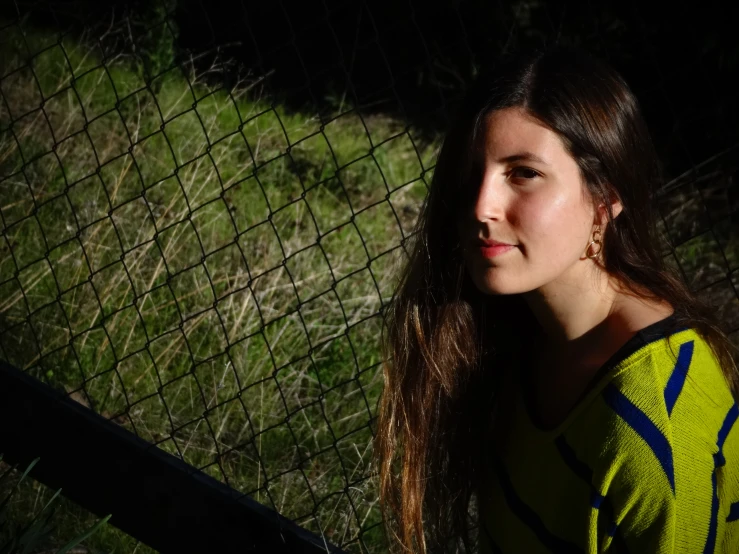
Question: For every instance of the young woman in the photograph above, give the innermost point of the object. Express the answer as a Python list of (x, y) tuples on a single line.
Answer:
[(542, 357)]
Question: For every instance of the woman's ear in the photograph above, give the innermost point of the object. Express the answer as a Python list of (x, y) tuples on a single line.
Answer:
[(616, 208)]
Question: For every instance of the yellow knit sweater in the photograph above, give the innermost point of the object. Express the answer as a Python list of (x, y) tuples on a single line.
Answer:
[(647, 462)]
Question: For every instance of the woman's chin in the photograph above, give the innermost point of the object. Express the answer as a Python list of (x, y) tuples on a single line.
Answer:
[(496, 286)]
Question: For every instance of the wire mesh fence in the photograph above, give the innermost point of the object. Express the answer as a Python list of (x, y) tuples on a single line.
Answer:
[(203, 257)]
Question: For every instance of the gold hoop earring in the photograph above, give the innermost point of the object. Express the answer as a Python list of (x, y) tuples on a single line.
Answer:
[(595, 241)]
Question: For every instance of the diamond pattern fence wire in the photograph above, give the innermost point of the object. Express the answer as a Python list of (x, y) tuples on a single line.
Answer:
[(208, 268), (178, 263)]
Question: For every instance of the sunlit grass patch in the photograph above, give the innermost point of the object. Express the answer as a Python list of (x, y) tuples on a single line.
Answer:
[(206, 269)]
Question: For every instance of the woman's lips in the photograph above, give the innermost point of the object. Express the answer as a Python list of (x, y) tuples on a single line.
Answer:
[(491, 251)]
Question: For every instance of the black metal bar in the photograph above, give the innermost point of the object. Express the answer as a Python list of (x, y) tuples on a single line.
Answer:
[(151, 494)]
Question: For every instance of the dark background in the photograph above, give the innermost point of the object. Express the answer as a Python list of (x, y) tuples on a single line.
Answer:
[(413, 58)]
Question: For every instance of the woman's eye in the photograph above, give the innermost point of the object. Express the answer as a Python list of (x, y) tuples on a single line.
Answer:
[(525, 172)]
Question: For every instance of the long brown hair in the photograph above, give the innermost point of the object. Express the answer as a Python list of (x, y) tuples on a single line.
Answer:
[(446, 345)]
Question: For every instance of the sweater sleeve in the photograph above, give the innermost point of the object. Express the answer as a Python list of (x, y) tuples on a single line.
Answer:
[(644, 521), (664, 496)]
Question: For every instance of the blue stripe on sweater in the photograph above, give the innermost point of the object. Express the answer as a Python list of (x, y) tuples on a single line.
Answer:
[(644, 427), (728, 424), (733, 512), (711, 538), (718, 461), (530, 518), (618, 541), (582, 470), (677, 378), (579, 468)]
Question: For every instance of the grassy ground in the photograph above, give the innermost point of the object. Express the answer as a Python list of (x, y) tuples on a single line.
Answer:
[(68, 520), (215, 287)]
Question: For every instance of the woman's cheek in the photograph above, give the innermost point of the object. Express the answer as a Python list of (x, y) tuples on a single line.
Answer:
[(541, 223)]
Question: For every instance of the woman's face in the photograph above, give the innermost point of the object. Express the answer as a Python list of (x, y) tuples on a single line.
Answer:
[(529, 194)]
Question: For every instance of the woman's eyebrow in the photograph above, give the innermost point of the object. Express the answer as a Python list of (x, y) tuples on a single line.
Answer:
[(527, 156)]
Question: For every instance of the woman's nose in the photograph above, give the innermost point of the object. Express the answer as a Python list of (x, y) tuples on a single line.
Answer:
[(488, 198)]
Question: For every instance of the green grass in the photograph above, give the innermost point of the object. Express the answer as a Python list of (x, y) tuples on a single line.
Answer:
[(67, 521), (227, 311)]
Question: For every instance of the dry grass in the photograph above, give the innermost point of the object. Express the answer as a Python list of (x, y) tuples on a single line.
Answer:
[(175, 270)]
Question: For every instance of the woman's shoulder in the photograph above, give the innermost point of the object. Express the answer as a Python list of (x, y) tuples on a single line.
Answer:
[(676, 382)]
